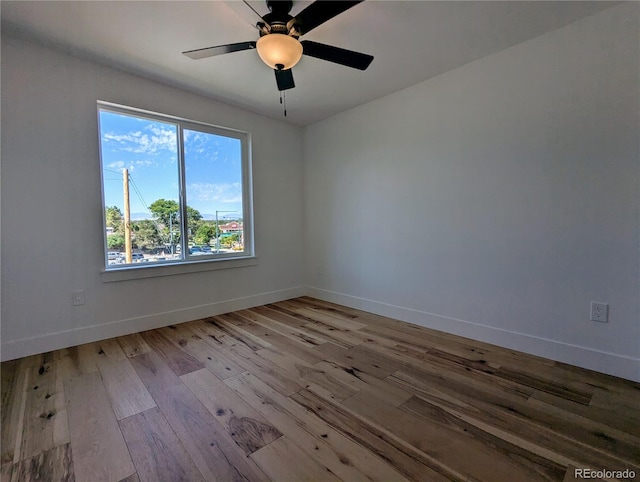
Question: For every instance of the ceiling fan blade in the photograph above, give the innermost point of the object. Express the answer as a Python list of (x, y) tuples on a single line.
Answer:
[(318, 13), (284, 79), (337, 55), (219, 50)]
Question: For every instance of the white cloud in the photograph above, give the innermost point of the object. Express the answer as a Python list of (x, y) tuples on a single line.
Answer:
[(145, 162), (120, 165), (143, 143), (223, 193)]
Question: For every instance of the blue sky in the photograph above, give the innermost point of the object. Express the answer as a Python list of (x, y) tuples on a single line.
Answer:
[(148, 149)]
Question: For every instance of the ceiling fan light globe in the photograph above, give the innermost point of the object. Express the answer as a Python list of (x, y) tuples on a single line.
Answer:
[(279, 50)]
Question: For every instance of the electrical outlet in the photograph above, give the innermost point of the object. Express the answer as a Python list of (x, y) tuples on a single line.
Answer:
[(599, 312), (78, 297)]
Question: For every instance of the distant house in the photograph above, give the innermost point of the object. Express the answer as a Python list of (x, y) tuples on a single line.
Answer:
[(232, 227)]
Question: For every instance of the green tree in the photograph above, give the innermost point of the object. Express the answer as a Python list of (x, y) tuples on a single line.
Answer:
[(115, 241), (228, 239), (163, 209), (113, 218), (194, 219), (204, 233), (145, 233)]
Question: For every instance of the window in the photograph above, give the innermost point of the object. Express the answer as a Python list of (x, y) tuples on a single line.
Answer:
[(174, 191)]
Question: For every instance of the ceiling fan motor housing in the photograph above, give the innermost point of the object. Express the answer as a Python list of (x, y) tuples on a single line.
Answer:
[(279, 6), (278, 19)]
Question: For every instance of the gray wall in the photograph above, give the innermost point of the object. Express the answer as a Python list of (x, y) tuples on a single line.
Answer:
[(52, 233), (494, 201)]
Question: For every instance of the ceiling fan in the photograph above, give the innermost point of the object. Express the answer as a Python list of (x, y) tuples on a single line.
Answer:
[(279, 46)]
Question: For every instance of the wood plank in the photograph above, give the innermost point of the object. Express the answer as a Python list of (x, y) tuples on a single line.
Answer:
[(235, 326), (45, 413), (276, 461), (249, 360), (155, 449), (542, 441), (38, 360), (308, 375), (14, 381), (109, 350), (617, 402), (133, 345), (6, 470), (250, 430), (546, 385), (99, 451), (356, 358), (205, 352), (560, 429), (405, 339), (212, 449), (154, 373), (55, 464), (279, 341), (619, 386), (334, 309), (271, 312), (281, 323), (132, 478), (610, 440), (362, 382), (547, 464), (330, 320), (77, 360), (328, 307), (608, 415), (442, 371), (316, 438), (443, 441), (406, 460), (236, 336), (126, 391), (342, 338), (179, 361)]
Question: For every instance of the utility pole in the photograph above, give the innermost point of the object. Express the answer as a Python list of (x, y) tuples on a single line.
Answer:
[(127, 216)]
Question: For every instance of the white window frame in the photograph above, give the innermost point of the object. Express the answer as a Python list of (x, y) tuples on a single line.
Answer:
[(188, 264)]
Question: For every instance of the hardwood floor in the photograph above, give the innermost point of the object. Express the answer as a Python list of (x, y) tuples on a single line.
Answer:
[(308, 390)]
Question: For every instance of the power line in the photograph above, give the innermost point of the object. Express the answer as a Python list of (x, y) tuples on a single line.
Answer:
[(139, 194)]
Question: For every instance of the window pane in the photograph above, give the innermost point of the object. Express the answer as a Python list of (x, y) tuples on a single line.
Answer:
[(213, 179), (146, 152)]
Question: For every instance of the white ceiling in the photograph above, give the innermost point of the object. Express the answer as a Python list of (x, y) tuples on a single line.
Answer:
[(411, 41)]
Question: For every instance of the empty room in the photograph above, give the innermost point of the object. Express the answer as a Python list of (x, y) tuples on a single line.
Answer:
[(320, 240)]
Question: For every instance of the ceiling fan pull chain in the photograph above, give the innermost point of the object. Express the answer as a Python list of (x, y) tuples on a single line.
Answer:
[(284, 96)]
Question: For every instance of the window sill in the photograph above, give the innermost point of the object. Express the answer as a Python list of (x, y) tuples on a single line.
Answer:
[(185, 267)]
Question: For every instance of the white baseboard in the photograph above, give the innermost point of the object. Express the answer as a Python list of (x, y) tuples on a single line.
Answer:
[(610, 363), (600, 361), (53, 341)]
